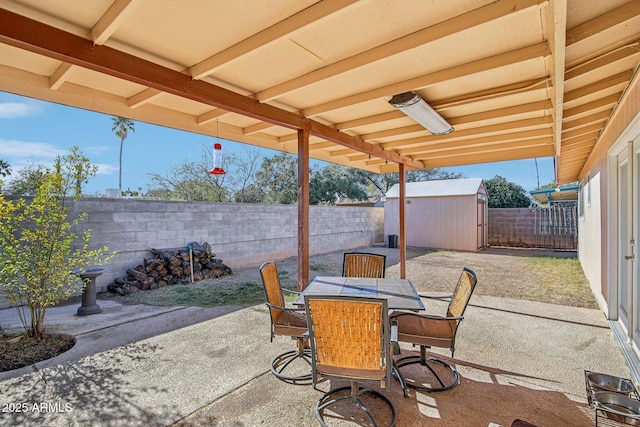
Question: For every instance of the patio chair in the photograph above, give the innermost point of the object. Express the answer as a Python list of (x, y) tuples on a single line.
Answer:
[(361, 264), (288, 322), (350, 339), (429, 331)]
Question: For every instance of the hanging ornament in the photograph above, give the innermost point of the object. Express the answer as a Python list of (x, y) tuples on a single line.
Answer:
[(217, 160), (217, 155)]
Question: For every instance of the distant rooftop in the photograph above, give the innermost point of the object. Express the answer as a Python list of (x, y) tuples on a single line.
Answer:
[(438, 188)]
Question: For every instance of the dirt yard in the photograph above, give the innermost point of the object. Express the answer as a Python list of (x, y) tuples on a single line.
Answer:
[(533, 275)]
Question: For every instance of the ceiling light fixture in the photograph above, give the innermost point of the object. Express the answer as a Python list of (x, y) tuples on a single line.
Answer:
[(415, 107)]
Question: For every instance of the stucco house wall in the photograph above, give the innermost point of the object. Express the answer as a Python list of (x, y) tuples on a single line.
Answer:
[(602, 252)]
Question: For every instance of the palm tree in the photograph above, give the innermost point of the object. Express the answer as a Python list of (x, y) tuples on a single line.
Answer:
[(5, 168), (122, 126)]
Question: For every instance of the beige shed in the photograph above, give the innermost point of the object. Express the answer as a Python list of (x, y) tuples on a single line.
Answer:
[(443, 214)]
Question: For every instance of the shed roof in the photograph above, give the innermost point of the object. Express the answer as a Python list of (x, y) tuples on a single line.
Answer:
[(438, 188)]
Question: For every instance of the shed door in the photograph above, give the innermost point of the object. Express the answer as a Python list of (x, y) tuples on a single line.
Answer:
[(482, 221)]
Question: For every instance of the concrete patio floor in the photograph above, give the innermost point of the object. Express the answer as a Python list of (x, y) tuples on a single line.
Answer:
[(187, 366)]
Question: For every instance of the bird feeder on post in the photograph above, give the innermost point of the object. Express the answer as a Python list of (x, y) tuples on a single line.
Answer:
[(217, 160)]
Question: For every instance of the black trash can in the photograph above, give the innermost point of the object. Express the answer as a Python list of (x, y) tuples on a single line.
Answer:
[(393, 240)]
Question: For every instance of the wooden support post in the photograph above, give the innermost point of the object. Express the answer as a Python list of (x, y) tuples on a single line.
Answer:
[(402, 243), (303, 209)]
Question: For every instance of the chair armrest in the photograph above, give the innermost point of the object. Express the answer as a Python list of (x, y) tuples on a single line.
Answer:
[(393, 339), (440, 297), (284, 308), (428, 316)]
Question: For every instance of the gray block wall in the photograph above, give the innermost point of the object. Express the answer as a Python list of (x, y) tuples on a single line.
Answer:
[(513, 227), (240, 234)]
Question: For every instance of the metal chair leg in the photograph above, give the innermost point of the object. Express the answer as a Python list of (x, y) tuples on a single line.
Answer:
[(284, 360), (356, 392), (429, 363)]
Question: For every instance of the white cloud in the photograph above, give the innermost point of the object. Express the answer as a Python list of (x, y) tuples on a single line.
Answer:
[(16, 110), (29, 150), (97, 149), (106, 169)]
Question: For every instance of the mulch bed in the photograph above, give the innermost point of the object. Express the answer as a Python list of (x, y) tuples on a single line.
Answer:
[(17, 351)]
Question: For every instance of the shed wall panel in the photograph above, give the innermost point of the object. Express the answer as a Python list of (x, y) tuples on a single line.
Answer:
[(436, 222)]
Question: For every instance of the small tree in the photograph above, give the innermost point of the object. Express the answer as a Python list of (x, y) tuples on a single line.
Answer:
[(335, 182), (27, 180), (38, 250), (505, 194)]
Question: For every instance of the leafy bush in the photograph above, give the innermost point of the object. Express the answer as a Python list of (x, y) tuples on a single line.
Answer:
[(38, 249)]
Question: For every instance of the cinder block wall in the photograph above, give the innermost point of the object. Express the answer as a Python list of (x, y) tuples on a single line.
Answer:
[(513, 227), (239, 234)]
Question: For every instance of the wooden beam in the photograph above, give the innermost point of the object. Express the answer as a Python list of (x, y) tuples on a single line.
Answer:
[(492, 147), (609, 58), (402, 184), (108, 23), (473, 18), (143, 97), (472, 158), (444, 104), (539, 50), (101, 31), (34, 36), (210, 116), (603, 22), (303, 209), (362, 146), (620, 79), (522, 87), (460, 135), (606, 102), (532, 107), (529, 108), (594, 128), (578, 153), (556, 25), (256, 128), (610, 133), (600, 116), (264, 38), (479, 141), (376, 118), (60, 76)]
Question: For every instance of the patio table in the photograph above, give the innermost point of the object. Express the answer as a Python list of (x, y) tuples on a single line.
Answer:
[(400, 293)]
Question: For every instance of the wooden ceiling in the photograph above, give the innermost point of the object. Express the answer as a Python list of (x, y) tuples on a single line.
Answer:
[(517, 79)]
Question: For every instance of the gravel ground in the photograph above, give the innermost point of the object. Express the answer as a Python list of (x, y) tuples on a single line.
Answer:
[(534, 275)]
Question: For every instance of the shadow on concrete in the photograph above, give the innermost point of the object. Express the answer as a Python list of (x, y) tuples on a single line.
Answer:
[(485, 395), (59, 392)]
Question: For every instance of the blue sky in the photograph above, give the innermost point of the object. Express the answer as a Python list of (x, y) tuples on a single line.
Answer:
[(35, 132)]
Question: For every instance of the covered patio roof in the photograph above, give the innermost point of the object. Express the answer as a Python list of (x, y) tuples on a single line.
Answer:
[(516, 79)]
